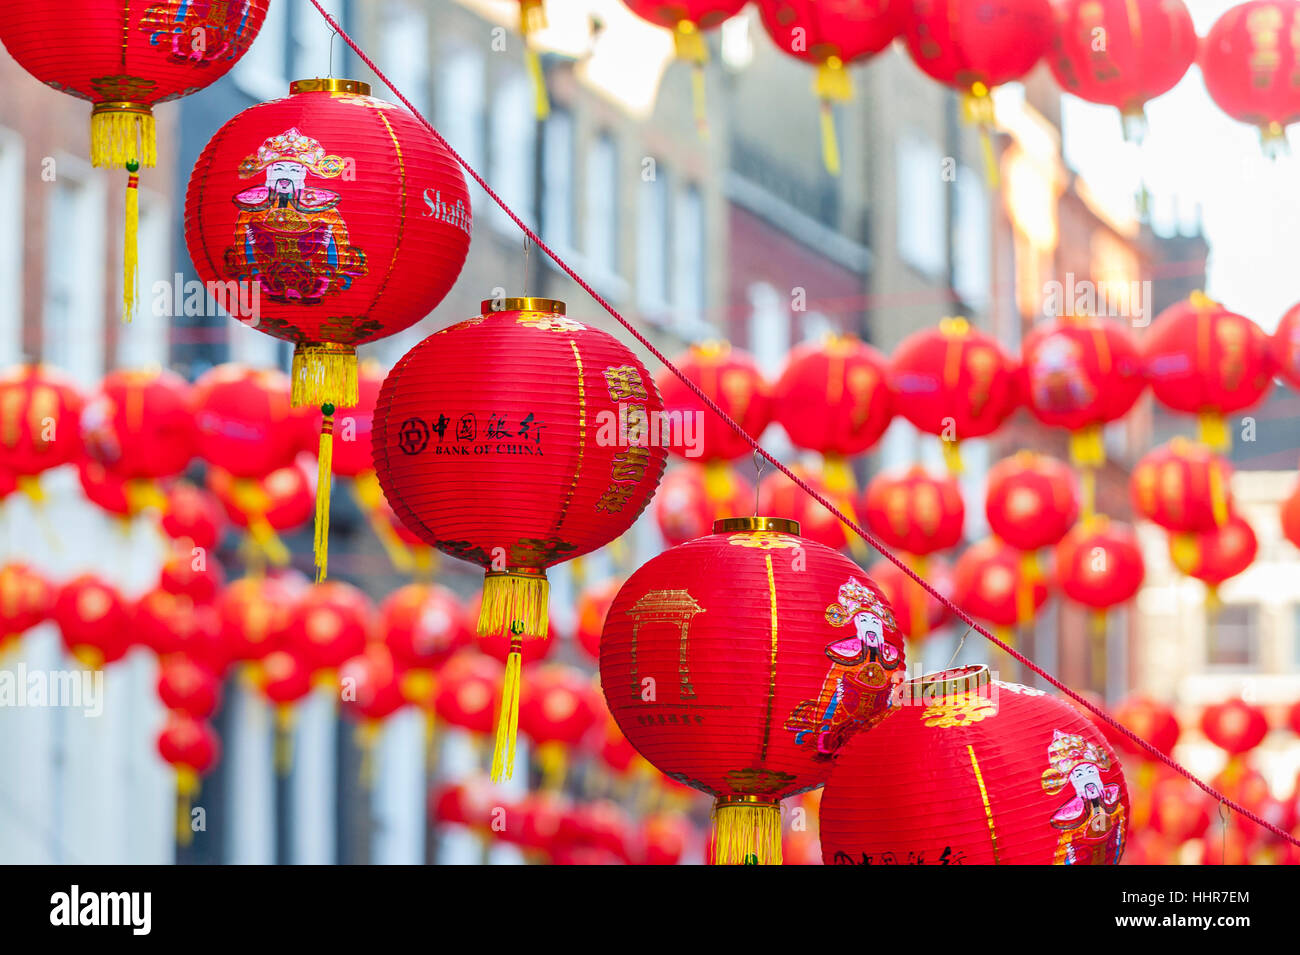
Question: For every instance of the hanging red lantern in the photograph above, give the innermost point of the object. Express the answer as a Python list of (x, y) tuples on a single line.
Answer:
[(664, 838), (593, 605), (192, 515), (94, 620), (192, 747), (174, 625), (188, 687), (740, 664), (1248, 60), (358, 229), (329, 623), (781, 497), (1218, 554), (1147, 48), (280, 501), (1032, 500), (140, 426), (105, 490), (1149, 719), (1179, 810), (198, 576), (516, 440), (915, 611), (832, 36), (1285, 345), (40, 413), (371, 692), (1099, 563), (989, 583), (1081, 373), (469, 691), (966, 770), (284, 678), (915, 511), (423, 625), (125, 58), (1184, 488), (1290, 517), (955, 382), (244, 420), (731, 380), (556, 711), (500, 645), (1235, 726), (833, 397), (254, 614), (26, 599), (685, 507), (1204, 360)]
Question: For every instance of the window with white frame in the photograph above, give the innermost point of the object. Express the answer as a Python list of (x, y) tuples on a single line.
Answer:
[(972, 264), (72, 335), (404, 40), (921, 225), (690, 256), (557, 180), (514, 145), (652, 246), (11, 247), (143, 342), (600, 218), (260, 71)]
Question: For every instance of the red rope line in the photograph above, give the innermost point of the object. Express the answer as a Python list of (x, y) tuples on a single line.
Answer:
[(803, 485)]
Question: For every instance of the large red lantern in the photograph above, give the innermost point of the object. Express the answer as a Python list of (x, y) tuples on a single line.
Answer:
[(329, 623), (955, 382), (354, 226), (1183, 487), (1218, 554), (516, 440), (832, 36), (40, 414), (1249, 59), (1205, 360), (1147, 47), (740, 664), (125, 58), (94, 620), (1031, 500), (966, 770), (26, 599), (423, 625), (685, 506), (1081, 373), (989, 582), (140, 426)]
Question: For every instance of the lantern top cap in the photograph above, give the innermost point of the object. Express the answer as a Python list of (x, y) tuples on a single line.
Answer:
[(550, 306), (329, 85), (951, 682), (779, 525)]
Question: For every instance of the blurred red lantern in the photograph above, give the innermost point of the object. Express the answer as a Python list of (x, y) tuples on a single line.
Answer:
[(423, 625), (916, 612), (1099, 563), (94, 619), (185, 686), (329, 623), (1149, 45), (556, 711), (740, 663), (1290, 517), (1204, 360), (192, 514), (104, 490), (915, 511), (285, 678), (1080, 373), (245, 424), (1149, 719), (1293, 722), (832, 36), (731, 379), (125, 58), (26, 599), (593, 604), (469, 803), (469, 691), (664, 838), (691, 498), (173, 625), (1248, 60), (516, 440), (197, 575), (781, 497), (1235, 726), (372, 687), (377, 231), (1179, 810), (969, 771), (40, 414), (1285, 345), (191, 746), (1031, 501), (955, 382), (352, 426), (1219, 554), (254, 613), (140, 426), (1184, 488), (279, 501), (989, 583)]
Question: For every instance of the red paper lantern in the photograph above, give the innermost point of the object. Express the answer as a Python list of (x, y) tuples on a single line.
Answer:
[(94, 620), (781, 497), (1153, 721), (285, 678), (188, 687), (1179, 810), (989, 582), (955, 382), (592, 606), (685, 506), (104, 490), (834, 397), (1218, 554), (1031, 501), (1148, 46), (26, 599), (1285, 346), (1290, 517), (329, 623), (915, 511), (245, 423), (280, 501), (254, 613), (664, 838), (423, 625), (916, 612), (173, 625), (125, 58), (1099, 563), (1205, 360), (832, 36), (1081, 373), (966, 770), (190, 745), (516, 440), (197, 575), (140, 426), (740, 664), (40, 414), (358, 228), (372, 687), (1184, 488), (1248, 60), (192, 515), (556, 710), (469, 692), (1235, 726), (731, 380)]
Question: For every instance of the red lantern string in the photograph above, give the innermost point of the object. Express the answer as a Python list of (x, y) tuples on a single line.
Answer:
[(767, 456)]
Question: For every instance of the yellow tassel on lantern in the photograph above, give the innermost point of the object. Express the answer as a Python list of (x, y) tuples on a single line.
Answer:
[(952, 456), (916, 601), (1185, 552), (514, 599), (977, 108), (1088, 447), (144, 495), (832, 84), (553, 762), (503, 751), (122, 132), (841, 487), (1029, 575), (30, 485), (370, 499), (747, 831), (1097, 642), (532, 18), (252, 501), (187, 787), (325, 374), (131, 239), (1213, 431), (324, 481)]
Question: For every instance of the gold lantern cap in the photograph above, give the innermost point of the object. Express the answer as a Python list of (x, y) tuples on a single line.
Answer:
[(970, 680), (550, 306), (329, 84), (778, 525)]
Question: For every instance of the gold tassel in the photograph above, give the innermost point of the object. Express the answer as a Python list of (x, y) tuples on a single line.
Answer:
[(130, 241), (832, 84), (30, 485), (1218, 495), (977, 107), (689, 43), (1029, 575), (514, 600), (252, 502), (830, 141), (747, 831), (324, 480), (541, 99), (144, 495), (187, 787), (1185, 552), (503, 752), (841, 487), (1088, 447), (122, 133), (952, 456), (700, 97), (916, 600), (553, 764), (1097, 628), (370, 498), (1213, 431), (325, 374)]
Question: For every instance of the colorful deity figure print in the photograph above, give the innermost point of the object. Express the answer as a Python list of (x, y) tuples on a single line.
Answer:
[(1092, 819), (864, 667), (1057, 377), (290, 237), (199, 31)]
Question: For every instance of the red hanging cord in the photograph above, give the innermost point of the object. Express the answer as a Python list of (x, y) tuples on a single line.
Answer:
[(803, 485)]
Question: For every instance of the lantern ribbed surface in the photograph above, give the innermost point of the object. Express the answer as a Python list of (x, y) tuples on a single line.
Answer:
[(965, 42), (1247, 85), (741, 662), (731, 379), (965, 771), (834, 397)]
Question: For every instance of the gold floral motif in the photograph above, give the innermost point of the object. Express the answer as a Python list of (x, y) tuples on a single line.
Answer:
[(961, 710), (764, 540), (757, 782), (546, 322)]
